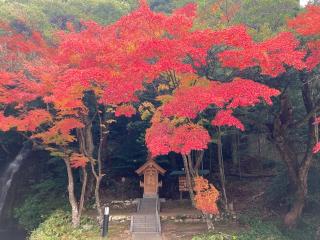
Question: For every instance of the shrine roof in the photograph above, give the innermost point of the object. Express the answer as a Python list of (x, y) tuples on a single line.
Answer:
[(150, 163), (180, 172)]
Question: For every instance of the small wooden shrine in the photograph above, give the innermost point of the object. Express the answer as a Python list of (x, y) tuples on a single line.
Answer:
[(150, 171)]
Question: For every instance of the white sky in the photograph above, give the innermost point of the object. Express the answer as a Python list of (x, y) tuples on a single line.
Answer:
[(303, 2)]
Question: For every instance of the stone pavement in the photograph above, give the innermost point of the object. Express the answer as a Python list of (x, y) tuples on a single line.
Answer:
[(146, 236)]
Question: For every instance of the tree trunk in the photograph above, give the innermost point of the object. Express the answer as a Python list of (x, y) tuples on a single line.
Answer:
[(192, 171), (293, 215), (234, 147), (188, 179), (198, 160), (210, 158), (86, 146), (85, 139), (318, 234), (76, 210), (221, 170), (209, 221), (98, 201), (99, 175), (301, 192), (90, 187), (297, 170)]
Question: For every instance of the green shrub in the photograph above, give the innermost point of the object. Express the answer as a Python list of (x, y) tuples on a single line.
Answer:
[(34, 211), (258, 231), (58, 227), (41, 201), (215, 236), (262, 231), (279, 193), (305, 229)]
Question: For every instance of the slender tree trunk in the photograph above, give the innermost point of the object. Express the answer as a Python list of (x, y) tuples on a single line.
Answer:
[(99, 175), (210, 158), (209, 221), (86, 147), (83, 190), (76, 210), (221, 170), (188, 179), (193, 174), (198, 161), (234, 147), (260, 165), (90, 187), (98, 200)]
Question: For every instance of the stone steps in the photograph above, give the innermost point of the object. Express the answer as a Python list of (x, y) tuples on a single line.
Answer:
[(145, 223), (148, 206)]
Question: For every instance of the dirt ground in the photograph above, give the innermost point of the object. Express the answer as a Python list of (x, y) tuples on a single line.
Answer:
[(240, 194), (171, 230)]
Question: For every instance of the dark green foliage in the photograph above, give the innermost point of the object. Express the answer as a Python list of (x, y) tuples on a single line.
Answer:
[(313, 188), (263, 230), (279, 194), (215, 236), (273, 229), (39, 204), (267, 230), (266, 17), (44, 197), (58, 226), (48, 16)]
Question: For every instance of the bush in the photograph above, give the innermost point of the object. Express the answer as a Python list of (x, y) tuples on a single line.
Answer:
[(258, 231), (279, 193), (215, 236), (42, 200), (262, 231), (58, 227)]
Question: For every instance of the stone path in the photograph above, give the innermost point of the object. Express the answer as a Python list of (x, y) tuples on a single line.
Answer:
[(146, 236)]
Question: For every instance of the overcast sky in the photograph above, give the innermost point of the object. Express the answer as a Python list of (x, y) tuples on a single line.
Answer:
[(303, 2)]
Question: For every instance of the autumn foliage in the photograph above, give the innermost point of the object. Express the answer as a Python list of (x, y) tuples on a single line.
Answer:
[(116, 61), (125, 110), (78, 160), (164, 137), (307, 25), (206, 196), (43, 86)]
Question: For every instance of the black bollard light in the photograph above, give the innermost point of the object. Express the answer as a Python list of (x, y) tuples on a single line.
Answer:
[(105, 224)]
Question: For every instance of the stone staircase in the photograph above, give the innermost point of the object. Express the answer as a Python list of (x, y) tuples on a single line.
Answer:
[(145, 223), (148, 205)]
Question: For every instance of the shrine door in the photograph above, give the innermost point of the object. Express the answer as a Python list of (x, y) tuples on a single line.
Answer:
[(151, 182)]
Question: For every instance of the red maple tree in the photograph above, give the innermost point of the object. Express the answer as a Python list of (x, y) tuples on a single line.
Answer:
[(307, 24), (115, 62)]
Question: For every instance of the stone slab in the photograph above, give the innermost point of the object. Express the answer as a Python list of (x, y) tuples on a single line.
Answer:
[(146, 236)]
